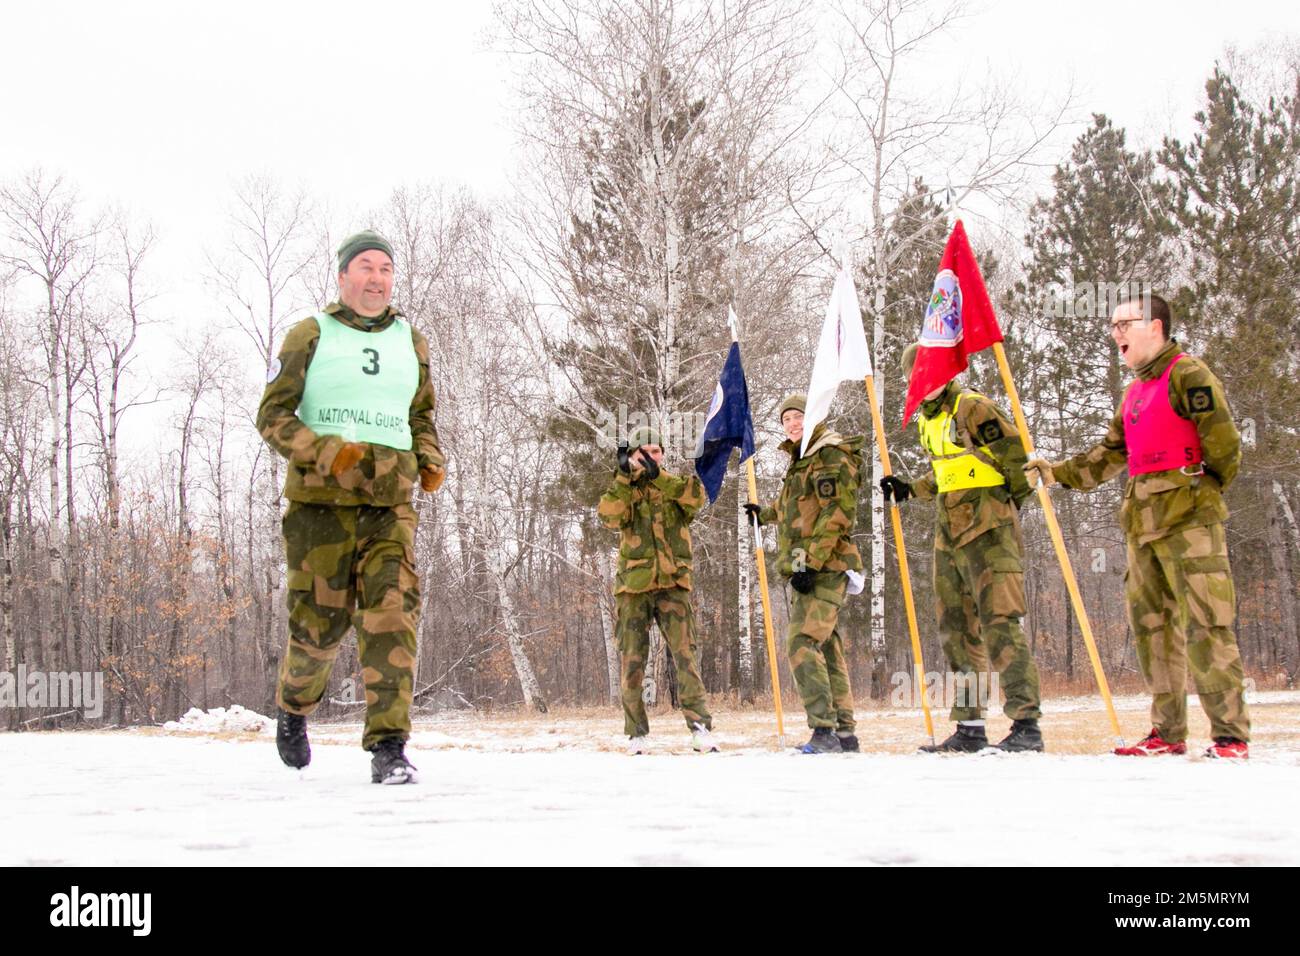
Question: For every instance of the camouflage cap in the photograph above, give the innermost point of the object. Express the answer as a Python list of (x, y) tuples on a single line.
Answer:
[(907, 360), (645, 435), (797, 401), (353, 246)]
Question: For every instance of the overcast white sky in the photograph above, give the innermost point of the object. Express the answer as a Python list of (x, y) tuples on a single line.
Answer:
[(159, 107), (162, 104)]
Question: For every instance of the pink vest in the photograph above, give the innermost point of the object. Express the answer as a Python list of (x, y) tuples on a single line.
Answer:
[(1158, 438)]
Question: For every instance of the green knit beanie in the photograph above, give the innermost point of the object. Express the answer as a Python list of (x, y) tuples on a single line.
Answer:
[(797, 401), (353, 246)]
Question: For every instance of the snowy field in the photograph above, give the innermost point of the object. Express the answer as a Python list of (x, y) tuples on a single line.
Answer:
[(556, 789)]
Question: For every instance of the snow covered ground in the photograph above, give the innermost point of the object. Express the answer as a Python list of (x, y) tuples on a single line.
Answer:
[(557, 789)]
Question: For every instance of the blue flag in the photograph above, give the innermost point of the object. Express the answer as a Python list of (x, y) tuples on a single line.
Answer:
[(727, 426)]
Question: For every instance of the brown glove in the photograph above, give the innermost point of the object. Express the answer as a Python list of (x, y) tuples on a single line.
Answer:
[(1039, 469), (347, 458), (431, 477)]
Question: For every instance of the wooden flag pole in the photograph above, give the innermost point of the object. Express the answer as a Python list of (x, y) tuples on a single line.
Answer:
[(1058, 541), (919, 677), (761, 559)]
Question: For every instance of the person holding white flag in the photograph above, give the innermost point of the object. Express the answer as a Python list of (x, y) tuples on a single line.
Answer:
[(817, 511)]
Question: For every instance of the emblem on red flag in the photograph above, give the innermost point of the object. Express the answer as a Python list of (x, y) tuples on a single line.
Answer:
[(942, 325)]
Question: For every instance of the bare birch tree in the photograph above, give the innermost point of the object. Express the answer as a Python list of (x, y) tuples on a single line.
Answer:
[(260, 278), (110, 343), (50, 242), (20, 427)]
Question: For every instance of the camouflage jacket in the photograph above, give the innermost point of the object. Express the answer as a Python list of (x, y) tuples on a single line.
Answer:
[(651, 517), (818, 505), (385, 476), (966, 514), (1163, 502)]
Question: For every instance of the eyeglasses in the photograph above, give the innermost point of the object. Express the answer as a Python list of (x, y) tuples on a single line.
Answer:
[(1123, 325)]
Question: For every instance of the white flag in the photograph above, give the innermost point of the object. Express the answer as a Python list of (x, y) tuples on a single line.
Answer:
[(841, 354)]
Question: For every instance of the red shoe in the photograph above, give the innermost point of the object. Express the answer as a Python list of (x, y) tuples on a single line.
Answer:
[(1228, 747), (1152, 745)]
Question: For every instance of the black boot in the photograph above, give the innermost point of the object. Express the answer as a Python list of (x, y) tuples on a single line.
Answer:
[(390, 764), (966, 740), (291, 740), (848, 743), (823, 741), (1025, 737)]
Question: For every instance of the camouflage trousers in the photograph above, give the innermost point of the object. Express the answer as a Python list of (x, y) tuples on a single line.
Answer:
[(821, 671), (352, 565), (1181, 607), (980, 589), (671, 609)]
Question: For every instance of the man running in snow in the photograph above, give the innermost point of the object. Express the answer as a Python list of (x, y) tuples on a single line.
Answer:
[(349, 402)]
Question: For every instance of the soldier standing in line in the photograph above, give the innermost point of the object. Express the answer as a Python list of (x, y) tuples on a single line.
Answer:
[(817, 510), (650, 509), (349, 403), (1175, 435), (977, 462)]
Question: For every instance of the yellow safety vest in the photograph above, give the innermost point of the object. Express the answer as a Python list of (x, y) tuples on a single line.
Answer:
[(955, 467)]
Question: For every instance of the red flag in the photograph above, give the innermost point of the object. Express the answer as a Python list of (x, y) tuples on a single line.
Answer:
[(959, 321)]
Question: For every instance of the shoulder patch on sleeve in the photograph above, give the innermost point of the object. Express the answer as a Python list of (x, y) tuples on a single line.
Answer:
[(826, 487), (990, 432), (1200, 398)]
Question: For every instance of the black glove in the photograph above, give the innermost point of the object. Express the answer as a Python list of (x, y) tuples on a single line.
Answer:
[(753, 511), (899, 489), (802, 581), (624, 463), (648, 463)]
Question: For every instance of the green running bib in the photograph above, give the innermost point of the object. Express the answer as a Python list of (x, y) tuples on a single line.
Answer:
[(360, 384)]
